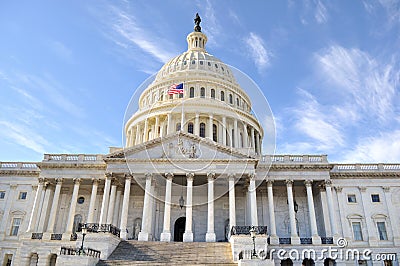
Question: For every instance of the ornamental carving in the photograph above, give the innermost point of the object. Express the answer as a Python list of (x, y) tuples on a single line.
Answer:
[(187, 148)]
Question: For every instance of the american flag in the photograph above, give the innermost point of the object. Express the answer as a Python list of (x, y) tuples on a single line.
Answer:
[(175, 89)]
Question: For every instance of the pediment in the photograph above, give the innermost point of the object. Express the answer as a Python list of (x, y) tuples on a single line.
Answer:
[(180, 146)]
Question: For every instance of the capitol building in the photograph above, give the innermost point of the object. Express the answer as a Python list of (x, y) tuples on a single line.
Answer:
[(193, 185)]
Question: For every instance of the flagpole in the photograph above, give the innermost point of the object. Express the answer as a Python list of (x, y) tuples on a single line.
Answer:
[(183, 95)]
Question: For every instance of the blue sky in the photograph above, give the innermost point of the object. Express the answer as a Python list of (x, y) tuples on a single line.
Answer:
[(329, 69)]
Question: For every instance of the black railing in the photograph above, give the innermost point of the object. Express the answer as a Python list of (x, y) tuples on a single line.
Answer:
[(101, 228), (37, 236), (327, 240), (245, 230), (305, 240), (56, 237), (285, 240), (77, 251)]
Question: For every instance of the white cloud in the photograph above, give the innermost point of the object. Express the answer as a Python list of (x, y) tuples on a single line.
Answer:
[(384, 147), (126, 26), (210, 23), (259, 54), (61, 50), (321, 13)]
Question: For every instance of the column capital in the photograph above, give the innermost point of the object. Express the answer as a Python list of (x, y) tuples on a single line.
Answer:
[(289, 182), (77, 181), (210, 176), (362, 189), (189, 176), (252, 176), (322, 188), (41, 180), (95, 181), (231, 176), (270, 183), (328, 183), (13, 186), (128, 176), (386, 189), (338, 189), (210, 115), (308, 182), (108, 175), (148, 176), (59, 180), (169, 176)]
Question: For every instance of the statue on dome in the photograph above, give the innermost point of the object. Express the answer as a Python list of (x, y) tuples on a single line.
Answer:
[(197, 21)]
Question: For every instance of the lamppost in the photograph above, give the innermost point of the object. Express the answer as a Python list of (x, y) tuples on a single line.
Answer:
[(253, 236), (84, 232)]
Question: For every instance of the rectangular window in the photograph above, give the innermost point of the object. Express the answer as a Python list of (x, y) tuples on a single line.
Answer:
[(2, 194), (375, 197), (382, 231), (16, 222), (22, 195), (357, 233), (351, 198)]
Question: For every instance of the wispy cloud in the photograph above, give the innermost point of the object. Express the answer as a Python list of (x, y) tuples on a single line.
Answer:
[(127, 27), (321, 13), (211, 24), (61, 50), (258, 53)]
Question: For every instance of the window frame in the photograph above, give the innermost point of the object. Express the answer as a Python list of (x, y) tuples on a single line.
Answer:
[(212, 94), (191, 92), (190, 128), (374, 196), (359, 237), (202, 131), (202, 92), (3, 194), (385, 236), (14, 226), (350, 196), (23, 195), (222, 96)]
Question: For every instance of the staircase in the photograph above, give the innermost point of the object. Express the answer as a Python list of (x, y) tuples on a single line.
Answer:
[(170, 253)]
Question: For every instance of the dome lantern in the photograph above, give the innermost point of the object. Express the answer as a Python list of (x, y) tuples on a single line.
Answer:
[(197, 40)]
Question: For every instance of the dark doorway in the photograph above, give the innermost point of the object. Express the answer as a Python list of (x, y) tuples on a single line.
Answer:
[(179, 229), (287, 262)]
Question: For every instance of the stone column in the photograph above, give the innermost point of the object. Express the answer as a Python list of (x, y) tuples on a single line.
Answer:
[(258, 143), (169, 123), (117, 207), (316, 239), (224, 128), (137, 138), (210, 127), (125, 207), (292, 214), (371, 227), (71, 215), (271, 208), (146, 129), (156, 125), (54, 206), (188, 235), (146, 218), (394, 216), (92, 203), (45, 208), (111, 204), (253, 143), (166, 233), (106, 196), (7, 207), (332, 216), (253, 200), (232, 201), (35, 208), (210, 236), (245, 136), (236, 135), (197, 125)]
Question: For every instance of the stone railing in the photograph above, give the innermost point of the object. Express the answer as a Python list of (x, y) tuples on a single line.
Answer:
[(18, 166), (77, 251), (56, 237), (37, 236), (276, 159), (380, 167), (73, 157), (245, 230), (101, 228)]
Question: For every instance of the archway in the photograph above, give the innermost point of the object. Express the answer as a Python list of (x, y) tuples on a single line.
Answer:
[(329, 262), (308, 262), (179, 229), (287, 262)]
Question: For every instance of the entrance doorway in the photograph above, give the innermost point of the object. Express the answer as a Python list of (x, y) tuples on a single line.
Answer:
[(179, 229)]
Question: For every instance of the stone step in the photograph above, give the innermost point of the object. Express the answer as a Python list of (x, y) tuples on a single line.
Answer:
[(172, 253)]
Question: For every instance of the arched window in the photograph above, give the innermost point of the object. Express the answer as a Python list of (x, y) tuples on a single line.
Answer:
[(227, 137), (241, 140), (191, 92), (215, 132), (212, 93), (77, 223), (237, 101), (222, 96), (202, 130), (178, 126), (230, 99), (190, 128), (202, 92), (162, 96)]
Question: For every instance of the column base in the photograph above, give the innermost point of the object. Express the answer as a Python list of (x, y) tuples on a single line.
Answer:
[(47, 236), (165, 237), (188, 237), (143, 236), (123, 234), (210, 237), (66, 236), (316, 240), (295, 240), (274, 240)]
